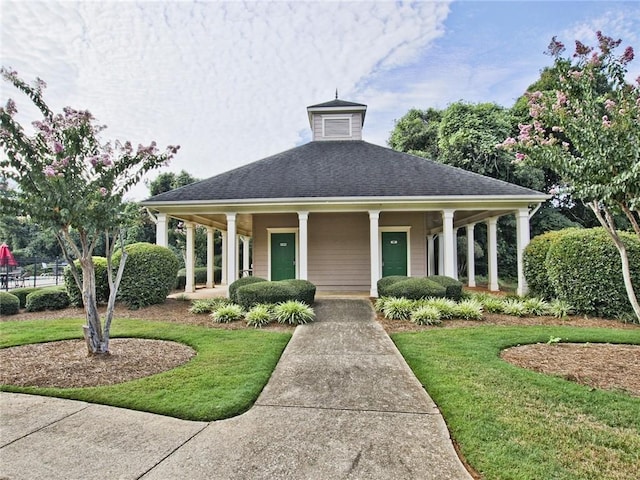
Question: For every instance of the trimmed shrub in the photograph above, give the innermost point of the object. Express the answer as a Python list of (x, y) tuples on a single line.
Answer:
[(9, 304), (260, 315), (102, 282), (22, 293), (49, 298), (386, 282), (585, 271), (149, 274), (453, 288), (241, 282), (305, 290), (293, 312), (227, 313), (426, 315), (534, 263), (265, 292), (416, 288)]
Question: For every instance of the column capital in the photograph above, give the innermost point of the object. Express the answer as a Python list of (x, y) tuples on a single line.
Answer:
[(303, 215), (231, 216), (374, 214), (448, 212)]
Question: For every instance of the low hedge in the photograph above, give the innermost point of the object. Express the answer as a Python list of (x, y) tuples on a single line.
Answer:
[(9, 304), (275, 292), (241, 282), (452, 286), (22, 293), (585, 271), (49, 298), (415, 288), (385, 282), (102, 282)]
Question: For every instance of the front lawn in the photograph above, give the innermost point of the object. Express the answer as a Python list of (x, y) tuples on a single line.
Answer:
[(224, 379), (512, 423)]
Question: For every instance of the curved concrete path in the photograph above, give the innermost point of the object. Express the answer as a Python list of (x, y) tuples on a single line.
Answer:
[(341, 404)]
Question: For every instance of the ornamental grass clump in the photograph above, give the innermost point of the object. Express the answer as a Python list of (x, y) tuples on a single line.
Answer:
[(228, 313), (398, 308), (468, 310), (491, 303), (260, 315), (293, 312), (380, 303), (426, 315), (536, 306), (208, 305), (560, 308), (514, 307), (445, 306)]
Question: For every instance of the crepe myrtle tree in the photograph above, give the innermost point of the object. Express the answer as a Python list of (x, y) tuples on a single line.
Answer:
[(68, 180), (590, 136)]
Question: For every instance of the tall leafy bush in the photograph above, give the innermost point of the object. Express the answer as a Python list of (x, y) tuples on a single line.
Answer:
[(102, 282), (584, 269), (148, 276), (534, 262)]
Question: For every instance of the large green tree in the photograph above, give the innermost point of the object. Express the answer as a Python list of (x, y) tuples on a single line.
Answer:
[(72, 182), (590, 136)]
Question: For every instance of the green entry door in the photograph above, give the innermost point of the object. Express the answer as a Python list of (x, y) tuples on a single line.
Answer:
[(283, 256), (394, 253)]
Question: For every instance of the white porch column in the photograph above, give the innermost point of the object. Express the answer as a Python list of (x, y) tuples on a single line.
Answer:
[(431, 257), (303, 251), (162, 230), (440, 254), (232, 242), (492, 234), (223, 258), (190, 260), (447, 232), (374, 250), (471, 265), (245, 253), (523, 237), (455, 253), (210, 253)]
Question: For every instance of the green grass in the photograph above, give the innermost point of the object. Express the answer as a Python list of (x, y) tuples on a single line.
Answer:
[(224, 379), (513, 423)]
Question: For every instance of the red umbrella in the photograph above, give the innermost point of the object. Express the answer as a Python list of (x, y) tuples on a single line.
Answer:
[(6, 257)]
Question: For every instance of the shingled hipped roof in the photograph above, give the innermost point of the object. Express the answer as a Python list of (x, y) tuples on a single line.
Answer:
[(333, 169)]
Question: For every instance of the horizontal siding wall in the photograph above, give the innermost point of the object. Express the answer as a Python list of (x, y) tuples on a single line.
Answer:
[(339, 251), (416, 221), (261, 241)]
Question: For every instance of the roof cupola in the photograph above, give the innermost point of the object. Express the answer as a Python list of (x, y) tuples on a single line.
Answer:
[(336, 120)]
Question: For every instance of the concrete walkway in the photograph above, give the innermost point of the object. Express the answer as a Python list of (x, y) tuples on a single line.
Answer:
[(341, 404)]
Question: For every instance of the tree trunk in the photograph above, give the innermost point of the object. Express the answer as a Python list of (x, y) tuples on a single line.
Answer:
[(93, 329)]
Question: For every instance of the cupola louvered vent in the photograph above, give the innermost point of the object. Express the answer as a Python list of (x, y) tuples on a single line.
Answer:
[(337, 127)]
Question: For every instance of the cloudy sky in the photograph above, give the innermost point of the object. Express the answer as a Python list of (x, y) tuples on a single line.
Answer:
[(230, 81)]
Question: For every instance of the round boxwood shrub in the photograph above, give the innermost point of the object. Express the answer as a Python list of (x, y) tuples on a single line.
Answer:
[(533, 260), (305, 290), (265, 292), (149, 274), (102, 282), (386, 282), (241, 282), (585, 271), (453, 287), (416, 288), (22, 293), (9, 304), (49, 298)]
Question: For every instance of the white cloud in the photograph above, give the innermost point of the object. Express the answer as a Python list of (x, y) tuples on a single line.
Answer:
[(227, 81)]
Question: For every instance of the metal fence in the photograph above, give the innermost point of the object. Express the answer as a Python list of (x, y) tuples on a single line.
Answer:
[(33, 272)]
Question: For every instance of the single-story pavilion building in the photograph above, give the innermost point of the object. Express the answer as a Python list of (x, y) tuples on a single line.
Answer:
[(343, 213)]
